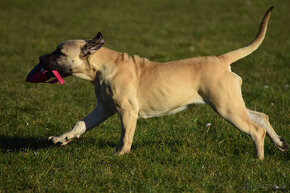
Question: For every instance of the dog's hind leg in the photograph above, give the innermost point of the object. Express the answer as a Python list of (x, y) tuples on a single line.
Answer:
[(96, 117), (263, 121), (226, 99), (238, 117)]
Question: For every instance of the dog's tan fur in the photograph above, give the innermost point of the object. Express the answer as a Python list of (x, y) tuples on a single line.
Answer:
[(136, 87)]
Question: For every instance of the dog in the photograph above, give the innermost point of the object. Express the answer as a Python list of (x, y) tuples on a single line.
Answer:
[(135, 87)]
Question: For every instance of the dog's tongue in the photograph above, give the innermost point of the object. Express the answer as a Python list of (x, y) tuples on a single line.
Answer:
[(39, 75)]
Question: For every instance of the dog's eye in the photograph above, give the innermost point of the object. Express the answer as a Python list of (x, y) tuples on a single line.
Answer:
[(62, 54)]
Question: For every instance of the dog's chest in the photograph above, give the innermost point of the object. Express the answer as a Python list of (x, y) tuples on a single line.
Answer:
[(104, 94)]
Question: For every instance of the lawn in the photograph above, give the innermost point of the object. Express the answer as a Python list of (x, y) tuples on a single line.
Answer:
[(176, 153)]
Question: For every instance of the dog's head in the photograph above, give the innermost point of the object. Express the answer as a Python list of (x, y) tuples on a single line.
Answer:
[(69, 58)]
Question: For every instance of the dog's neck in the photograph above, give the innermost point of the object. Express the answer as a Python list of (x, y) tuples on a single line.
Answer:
[(101, 63)]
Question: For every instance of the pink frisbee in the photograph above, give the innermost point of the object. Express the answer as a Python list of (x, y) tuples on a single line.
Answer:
[(40, 75)]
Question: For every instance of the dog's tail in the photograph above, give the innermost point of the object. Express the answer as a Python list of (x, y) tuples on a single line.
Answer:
[(235, 55)]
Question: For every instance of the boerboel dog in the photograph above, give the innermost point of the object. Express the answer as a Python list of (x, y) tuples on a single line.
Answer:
[(135, 87)]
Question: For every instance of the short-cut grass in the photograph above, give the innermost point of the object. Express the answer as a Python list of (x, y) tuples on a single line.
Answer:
[(175, 153)]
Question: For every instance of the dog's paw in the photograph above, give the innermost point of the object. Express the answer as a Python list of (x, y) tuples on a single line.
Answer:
[(284, 144), (59, 140), (121, 152)]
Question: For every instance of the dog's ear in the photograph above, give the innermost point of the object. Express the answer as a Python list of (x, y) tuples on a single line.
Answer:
[(92, 45)]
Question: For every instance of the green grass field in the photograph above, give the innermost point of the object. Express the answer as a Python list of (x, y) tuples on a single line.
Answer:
[(175, 153)]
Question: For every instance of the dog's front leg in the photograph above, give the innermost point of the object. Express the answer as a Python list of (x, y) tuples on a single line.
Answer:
[(128, 121), (96, 117)]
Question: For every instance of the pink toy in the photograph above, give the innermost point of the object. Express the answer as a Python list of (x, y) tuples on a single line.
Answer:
[(40, 75)]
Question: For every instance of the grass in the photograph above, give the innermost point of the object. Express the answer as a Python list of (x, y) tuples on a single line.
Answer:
[(170, 154)]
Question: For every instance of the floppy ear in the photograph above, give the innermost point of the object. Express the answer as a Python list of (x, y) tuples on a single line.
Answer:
[(92, 45)]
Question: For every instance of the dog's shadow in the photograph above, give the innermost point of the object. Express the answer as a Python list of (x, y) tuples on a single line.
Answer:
[(21, 143)]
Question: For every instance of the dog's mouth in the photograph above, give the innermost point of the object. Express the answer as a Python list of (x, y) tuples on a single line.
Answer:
[(41, 75)]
